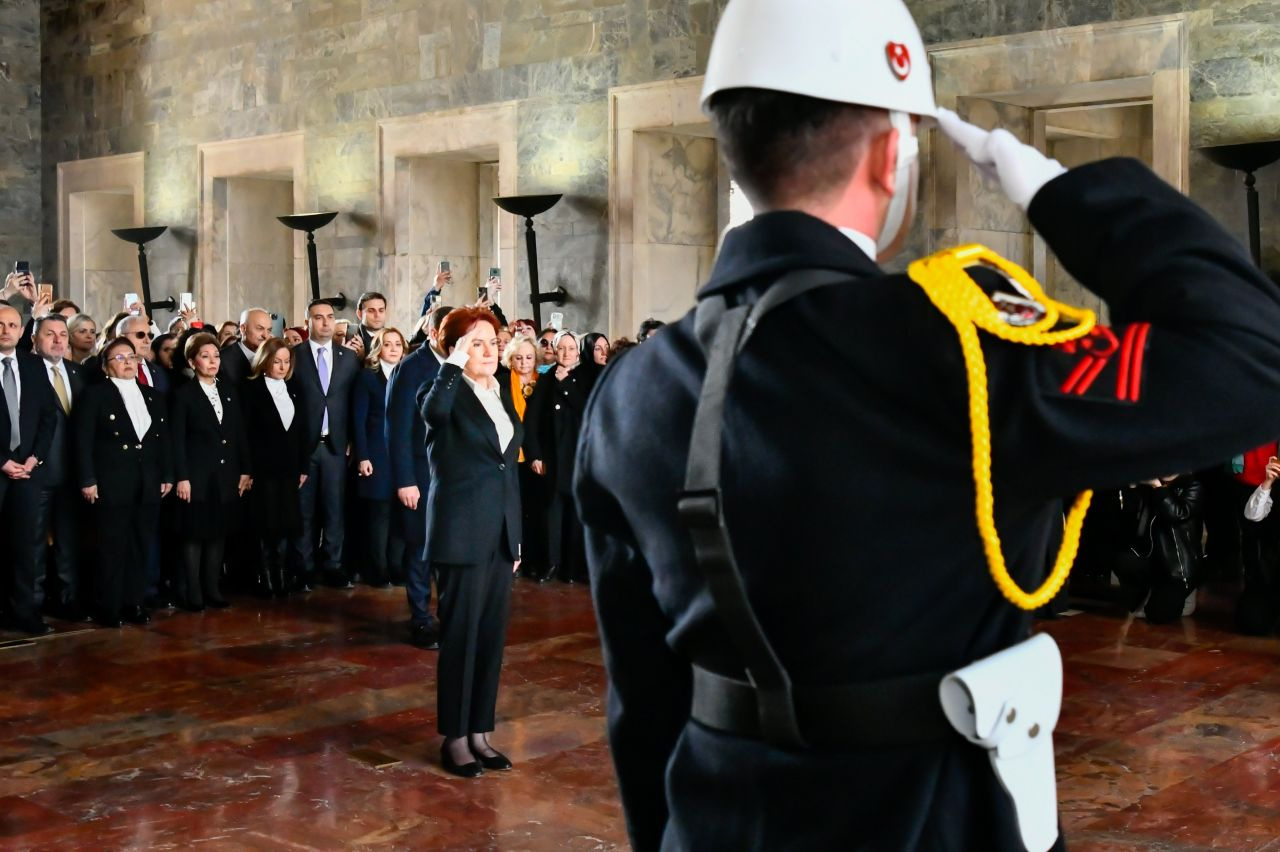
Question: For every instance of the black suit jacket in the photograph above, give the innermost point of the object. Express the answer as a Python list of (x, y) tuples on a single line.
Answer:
[(57, 469), (108, 452), (406, 431), (37, 412), (274, 451), (235, 367), (849, 496), (211, 455), (473, 506), (342, 377)]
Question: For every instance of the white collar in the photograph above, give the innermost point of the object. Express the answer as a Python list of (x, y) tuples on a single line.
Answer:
[(315, 346), (248, 353), (54, 365), (273, 383), (125, 384), (862, 241), (386, 367)]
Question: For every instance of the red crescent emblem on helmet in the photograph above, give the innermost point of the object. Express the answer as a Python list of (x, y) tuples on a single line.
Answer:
[(899, 59)]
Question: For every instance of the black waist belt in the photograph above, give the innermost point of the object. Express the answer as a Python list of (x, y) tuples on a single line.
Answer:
[(896, 712)]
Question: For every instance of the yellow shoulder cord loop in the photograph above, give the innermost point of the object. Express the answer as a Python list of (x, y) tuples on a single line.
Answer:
[(969, 308)]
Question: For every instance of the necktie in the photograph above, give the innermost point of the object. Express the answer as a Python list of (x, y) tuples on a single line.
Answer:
[(60, 388), (142, 375), (322, 369), (11, 400)]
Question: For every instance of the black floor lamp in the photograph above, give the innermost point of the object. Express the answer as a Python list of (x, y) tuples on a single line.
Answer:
[(529, 206), (312, 222), (140, 237), (1248, 157)]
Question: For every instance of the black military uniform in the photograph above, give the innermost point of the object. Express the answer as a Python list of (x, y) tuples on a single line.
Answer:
[(850, 500)]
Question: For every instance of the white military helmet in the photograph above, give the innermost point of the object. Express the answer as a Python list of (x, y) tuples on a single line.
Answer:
[(865, 52), (862, 52)]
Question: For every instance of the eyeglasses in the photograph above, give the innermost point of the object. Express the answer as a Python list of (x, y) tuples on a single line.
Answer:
[(126, 359), (545, 344), (141, 335)]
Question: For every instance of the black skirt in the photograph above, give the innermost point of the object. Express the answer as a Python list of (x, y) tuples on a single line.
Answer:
[(275, 509)]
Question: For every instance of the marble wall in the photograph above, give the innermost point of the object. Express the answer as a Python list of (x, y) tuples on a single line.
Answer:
[(163, 76), (20, 136), (104, 267), (166, 75)]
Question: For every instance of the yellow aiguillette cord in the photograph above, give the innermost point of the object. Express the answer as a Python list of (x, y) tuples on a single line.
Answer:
[(967, 307)]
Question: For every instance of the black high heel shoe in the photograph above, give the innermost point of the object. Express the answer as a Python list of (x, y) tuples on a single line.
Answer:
[(462, 770), (497, 760)]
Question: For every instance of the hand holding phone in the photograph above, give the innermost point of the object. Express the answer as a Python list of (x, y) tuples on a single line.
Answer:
[(44, 292), (131, 302)]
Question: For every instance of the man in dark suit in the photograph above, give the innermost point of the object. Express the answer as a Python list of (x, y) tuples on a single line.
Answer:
[(324, 374), (29, 423), (371, 312), (243, 554), (411, 473), (58, 506), (238, 355), (138, 329)]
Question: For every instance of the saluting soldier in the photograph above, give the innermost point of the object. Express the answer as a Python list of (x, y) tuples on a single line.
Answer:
[(782, 604)]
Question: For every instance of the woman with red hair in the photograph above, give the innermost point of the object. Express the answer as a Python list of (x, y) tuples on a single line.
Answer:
[(473, 532)]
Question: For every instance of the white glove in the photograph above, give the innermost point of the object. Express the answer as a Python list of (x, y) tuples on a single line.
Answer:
[(1021, 170)]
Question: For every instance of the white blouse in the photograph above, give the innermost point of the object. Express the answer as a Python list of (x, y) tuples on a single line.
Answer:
[(135, 405), (280, 396), (386, 369), (211, 392)]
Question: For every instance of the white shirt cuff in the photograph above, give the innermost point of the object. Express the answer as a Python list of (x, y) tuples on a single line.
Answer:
[(459, 357)]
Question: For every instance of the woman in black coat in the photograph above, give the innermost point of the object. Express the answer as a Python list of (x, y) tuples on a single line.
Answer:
[(212, 468), (279, 455), (373, 461), (553, 423), (122, 453), (473, 532)]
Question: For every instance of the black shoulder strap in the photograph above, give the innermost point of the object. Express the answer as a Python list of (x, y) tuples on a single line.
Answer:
[(723, 332)]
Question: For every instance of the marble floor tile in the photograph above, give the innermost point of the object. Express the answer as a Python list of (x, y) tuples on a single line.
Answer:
[(235, 730)]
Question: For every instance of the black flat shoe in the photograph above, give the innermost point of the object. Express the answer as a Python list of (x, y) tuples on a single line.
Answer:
[(136, 615), (218, 604), (498, 760), (423, 636), (462, 770), (187, 606)]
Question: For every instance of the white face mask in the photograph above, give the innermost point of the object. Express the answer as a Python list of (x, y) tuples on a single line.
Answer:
[(902, 207)]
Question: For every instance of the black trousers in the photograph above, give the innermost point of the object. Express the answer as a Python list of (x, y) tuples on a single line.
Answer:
[(412, 524), (126, 537), (475, 603), (198, 579), (533, 502), (58, 510), (386, 548), (566, 545), (17, 511), (322, 499)]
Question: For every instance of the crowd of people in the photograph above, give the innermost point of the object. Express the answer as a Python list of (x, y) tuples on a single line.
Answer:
[(149, 470)]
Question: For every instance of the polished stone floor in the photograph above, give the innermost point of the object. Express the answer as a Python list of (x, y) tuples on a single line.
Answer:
[(236, 730)]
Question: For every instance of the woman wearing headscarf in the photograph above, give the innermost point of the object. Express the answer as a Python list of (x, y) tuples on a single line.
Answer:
[(554, 423)]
